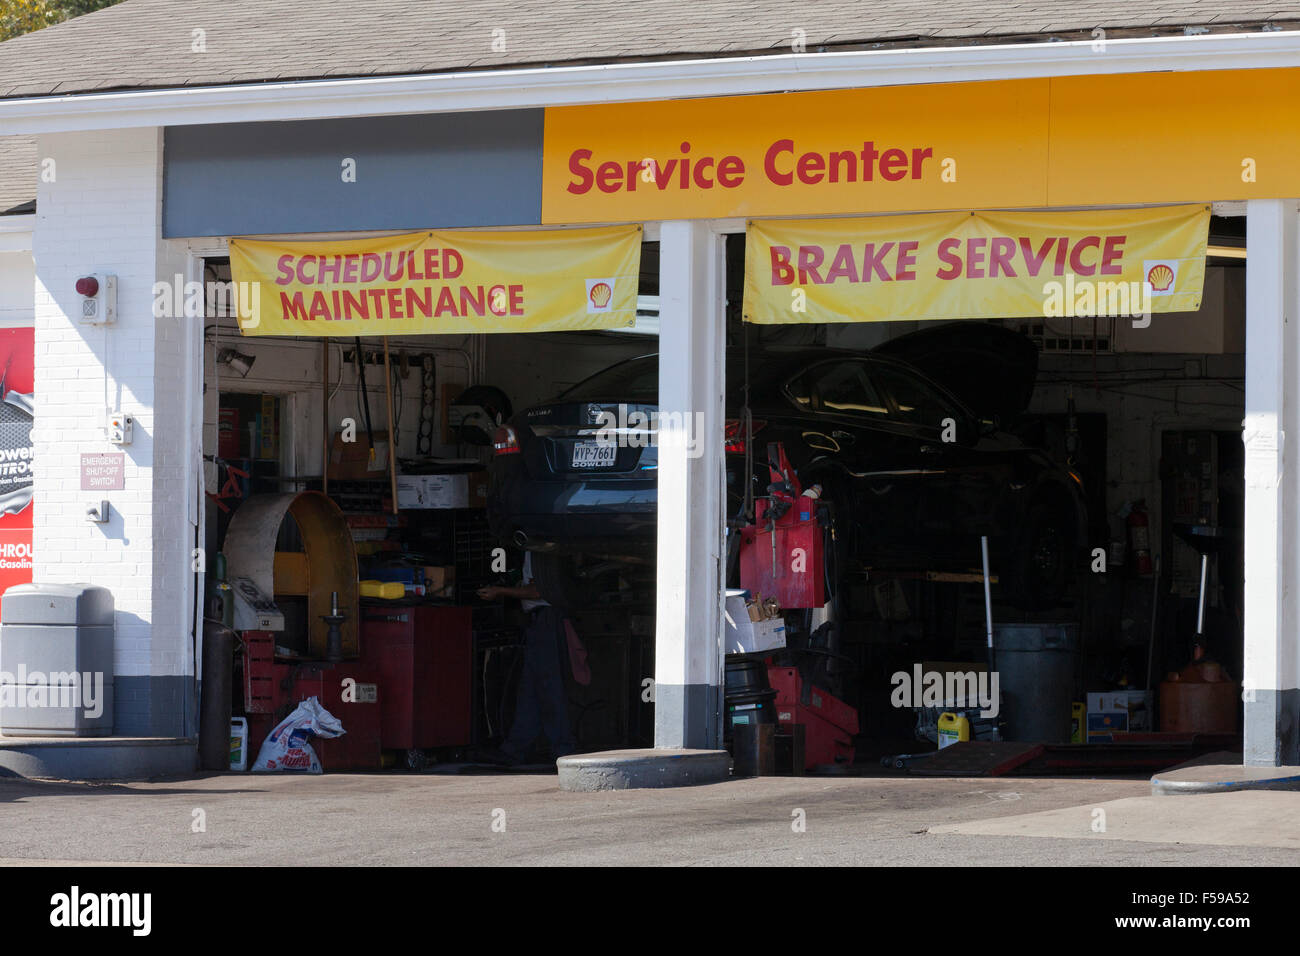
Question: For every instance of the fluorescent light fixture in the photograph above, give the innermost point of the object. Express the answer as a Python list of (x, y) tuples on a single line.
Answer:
[(1226, 252), (647, 317)]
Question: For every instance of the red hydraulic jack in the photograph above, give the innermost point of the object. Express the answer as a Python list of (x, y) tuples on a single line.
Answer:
[(782, 556)]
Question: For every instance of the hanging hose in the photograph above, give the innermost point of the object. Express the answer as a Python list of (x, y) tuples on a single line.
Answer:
[(365, 401), (747, 426)]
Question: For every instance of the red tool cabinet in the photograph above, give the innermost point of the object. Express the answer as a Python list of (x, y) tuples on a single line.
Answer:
[(359, 747), (273, 689), (422, 657), (829, 724)]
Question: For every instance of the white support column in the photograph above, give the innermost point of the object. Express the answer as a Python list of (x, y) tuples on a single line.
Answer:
[(688, 622), (1272, 522), (99, 211)]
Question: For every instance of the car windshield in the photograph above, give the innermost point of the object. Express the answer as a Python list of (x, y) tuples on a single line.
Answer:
[(636, 380)]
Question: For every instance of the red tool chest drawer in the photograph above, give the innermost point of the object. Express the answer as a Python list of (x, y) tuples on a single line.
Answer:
[(422, 658), (359, 747)]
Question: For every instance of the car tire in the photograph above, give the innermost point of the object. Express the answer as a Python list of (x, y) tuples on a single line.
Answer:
[(1041, 563)]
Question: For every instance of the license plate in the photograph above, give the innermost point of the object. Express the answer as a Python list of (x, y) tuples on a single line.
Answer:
[(593, 454)]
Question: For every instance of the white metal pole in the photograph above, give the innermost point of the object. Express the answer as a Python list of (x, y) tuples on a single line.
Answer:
[(988, 598)]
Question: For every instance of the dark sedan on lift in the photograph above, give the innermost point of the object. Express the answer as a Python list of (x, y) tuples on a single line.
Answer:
[(915, 477)]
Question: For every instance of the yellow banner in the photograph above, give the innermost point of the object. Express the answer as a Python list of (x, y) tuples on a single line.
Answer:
[(976, 265), (440, 282)]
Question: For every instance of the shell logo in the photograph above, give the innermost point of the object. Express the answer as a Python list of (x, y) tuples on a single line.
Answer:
[(600, 295), (1160, 277)]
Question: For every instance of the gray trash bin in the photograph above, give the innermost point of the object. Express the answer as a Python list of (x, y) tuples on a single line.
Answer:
[(56, 661), (1036, 670)]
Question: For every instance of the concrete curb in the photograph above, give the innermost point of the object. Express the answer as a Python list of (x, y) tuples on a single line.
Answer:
[(97, 758), (642, 769), (1223, 778)]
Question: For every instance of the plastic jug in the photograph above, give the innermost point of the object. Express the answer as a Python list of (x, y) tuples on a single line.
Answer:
[(238, 743), (952, 729)]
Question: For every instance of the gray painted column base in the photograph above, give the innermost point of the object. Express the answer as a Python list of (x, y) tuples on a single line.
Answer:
[(97, 758), (1272, 721), (642, 769), (1213, 774)]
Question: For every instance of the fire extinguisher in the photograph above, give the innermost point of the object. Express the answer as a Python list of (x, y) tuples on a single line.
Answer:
[(1139, 538)]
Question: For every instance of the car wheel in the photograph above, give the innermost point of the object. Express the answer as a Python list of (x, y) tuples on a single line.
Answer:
[(1041, 569)]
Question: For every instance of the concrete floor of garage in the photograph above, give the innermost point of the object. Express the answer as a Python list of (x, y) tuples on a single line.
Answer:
[(399, 819)]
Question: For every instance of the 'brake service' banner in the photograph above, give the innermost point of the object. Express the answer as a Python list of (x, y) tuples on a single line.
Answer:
[(976, 265), (439, 282)]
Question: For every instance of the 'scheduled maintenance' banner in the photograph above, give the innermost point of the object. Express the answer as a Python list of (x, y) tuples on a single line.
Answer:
[(980, 265), (439, 282)]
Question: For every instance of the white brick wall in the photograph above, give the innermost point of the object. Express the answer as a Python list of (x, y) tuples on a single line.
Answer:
[(17, 275), (102, 214)]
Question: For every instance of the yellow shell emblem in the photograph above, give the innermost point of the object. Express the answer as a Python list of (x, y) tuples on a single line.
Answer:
[(1160, 277), (601, 293)]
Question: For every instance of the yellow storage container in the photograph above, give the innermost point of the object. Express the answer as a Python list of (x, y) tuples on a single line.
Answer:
[(387, 590)]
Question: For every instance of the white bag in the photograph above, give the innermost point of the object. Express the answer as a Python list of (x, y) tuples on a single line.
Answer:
[(288, 747)]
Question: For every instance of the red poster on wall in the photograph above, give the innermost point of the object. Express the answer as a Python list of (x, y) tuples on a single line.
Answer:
[(17, 360)]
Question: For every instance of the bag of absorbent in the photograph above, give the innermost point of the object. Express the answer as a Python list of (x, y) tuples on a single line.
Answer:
[(288, 747)]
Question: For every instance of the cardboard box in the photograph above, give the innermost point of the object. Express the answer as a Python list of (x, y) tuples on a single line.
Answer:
[(350, 461), (1118, 711), (431, 492), (1136, 705), (750, 637), (1102, 727)]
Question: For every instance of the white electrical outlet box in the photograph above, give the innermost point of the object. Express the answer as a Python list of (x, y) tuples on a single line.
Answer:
[(119, 428), (100, 308)]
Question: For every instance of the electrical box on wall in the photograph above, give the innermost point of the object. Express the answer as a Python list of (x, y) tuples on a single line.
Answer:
[(98, 299), (119, 428)]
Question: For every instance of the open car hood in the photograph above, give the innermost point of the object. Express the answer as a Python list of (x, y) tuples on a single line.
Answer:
[(991, 369)]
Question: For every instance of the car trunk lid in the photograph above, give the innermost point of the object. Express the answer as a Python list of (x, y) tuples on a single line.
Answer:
[(597, 439)]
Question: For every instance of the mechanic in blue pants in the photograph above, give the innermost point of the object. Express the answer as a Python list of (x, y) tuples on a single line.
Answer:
[(541, 706)]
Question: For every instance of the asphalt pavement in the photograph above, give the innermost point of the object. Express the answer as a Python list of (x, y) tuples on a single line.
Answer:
[(522, 819)]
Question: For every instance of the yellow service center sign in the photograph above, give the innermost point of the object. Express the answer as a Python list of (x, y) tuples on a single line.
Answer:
[(976, 265), (1163, 137), (439, 282), (798, 154)]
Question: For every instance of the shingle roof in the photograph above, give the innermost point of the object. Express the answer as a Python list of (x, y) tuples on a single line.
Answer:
[(17, 172), (151, 43)]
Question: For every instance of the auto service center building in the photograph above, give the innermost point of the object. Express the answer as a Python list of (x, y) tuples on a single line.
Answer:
[(164, 131)]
